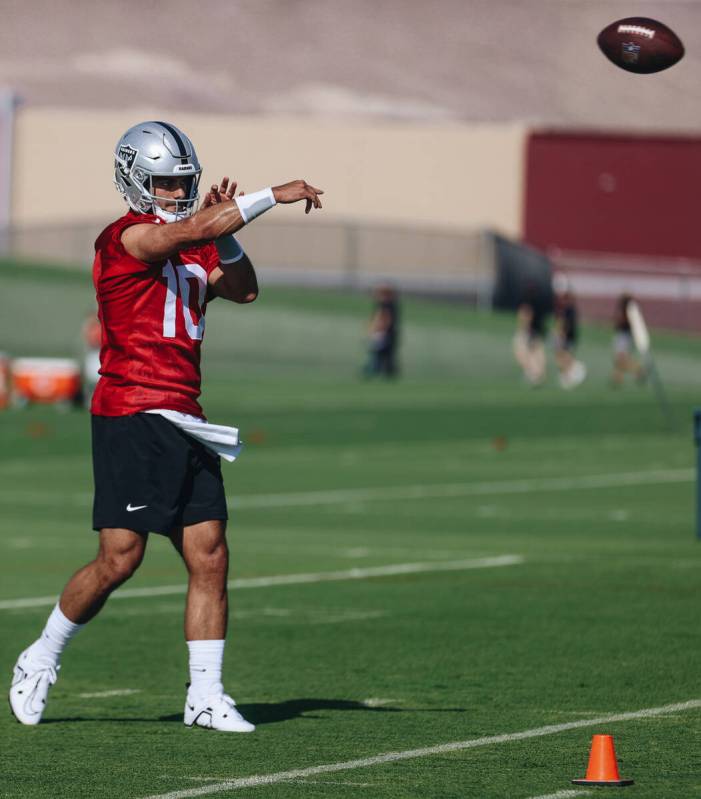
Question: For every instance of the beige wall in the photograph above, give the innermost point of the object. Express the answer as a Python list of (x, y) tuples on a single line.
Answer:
[(450, 176)]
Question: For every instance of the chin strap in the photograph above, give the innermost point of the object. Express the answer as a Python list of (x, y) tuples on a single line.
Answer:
[(190, 207), (167, 216)]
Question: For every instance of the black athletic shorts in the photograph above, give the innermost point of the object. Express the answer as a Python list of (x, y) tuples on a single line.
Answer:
[(150, 476)]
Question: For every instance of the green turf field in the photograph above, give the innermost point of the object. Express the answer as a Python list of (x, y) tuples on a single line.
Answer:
[(454, 467)]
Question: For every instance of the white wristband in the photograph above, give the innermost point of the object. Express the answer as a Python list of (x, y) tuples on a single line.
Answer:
[(253, 205), (229, 249)]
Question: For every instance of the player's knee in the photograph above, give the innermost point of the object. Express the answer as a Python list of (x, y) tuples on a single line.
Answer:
[(118, 567), (212, 562)]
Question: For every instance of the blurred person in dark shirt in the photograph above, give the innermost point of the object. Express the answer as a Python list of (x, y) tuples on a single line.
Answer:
[(572, 371), (383, 334), (529, 339)]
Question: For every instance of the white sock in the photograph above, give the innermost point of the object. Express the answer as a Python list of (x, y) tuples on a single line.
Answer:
[(206, 658), (47, 649)]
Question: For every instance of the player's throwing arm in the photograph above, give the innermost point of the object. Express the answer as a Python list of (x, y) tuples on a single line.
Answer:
[(219, 219)]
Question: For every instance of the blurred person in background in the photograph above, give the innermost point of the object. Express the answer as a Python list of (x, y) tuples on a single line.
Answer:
[(383, 334), (91, 338), (156, 459), (529, 339), (572, 371), (4, 380), (624, 359)]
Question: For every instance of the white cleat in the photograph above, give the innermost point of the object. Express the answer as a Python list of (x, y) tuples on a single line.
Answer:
[(216, 712), (574, 376), (30, 687)]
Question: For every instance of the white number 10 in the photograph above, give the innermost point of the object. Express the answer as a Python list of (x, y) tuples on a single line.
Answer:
[(177, 278)]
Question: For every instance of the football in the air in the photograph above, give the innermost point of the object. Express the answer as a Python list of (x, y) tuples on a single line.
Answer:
[(640, 44)]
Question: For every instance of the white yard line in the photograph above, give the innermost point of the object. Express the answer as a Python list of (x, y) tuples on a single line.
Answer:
[(393, 493), (114, 692), (390, 570), (294, 616), (409, 754), (562, 795), (296, 782), (447, 490)]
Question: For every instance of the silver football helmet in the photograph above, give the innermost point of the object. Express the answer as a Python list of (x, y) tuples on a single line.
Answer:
[(151, 150)]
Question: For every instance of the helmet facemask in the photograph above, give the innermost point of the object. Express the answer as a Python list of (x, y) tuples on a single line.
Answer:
[(171, 209), (143, 197)]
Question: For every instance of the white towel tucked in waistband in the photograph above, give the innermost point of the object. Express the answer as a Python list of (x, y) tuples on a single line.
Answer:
[(217, 437)]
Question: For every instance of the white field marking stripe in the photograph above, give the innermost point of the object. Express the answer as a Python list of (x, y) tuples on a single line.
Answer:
[(437, 491), (299, 782), (562, 795), (462, 489), (296, 579), (115, 692), (456, 746)]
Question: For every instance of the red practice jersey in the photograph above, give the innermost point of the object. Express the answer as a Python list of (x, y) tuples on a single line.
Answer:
[(152, 318)]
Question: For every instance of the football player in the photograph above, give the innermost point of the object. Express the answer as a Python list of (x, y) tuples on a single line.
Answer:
[(528, 341), (156, 460), (624, 360), (572, 371)]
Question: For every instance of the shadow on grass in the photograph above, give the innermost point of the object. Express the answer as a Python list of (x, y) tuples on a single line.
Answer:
[(274, 712)]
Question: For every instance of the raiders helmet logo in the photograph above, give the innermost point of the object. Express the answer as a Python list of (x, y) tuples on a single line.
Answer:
[(126, 155)]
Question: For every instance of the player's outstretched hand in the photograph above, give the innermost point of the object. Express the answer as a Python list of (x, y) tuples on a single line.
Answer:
[(298, 190), (218, 194)]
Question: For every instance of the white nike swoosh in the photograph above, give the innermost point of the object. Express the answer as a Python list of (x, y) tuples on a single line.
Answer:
[(136, 507)]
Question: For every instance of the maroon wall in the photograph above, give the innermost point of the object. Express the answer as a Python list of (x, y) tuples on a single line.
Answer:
[(614, 194)]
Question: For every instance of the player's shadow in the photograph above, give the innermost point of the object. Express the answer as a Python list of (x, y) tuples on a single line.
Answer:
[(273, 712)]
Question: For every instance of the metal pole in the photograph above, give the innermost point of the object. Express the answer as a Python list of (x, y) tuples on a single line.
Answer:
[(8, 103), (697, 440), (659, 390)]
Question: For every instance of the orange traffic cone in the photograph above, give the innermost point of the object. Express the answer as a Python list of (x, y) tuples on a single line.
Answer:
[(602, 769)]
